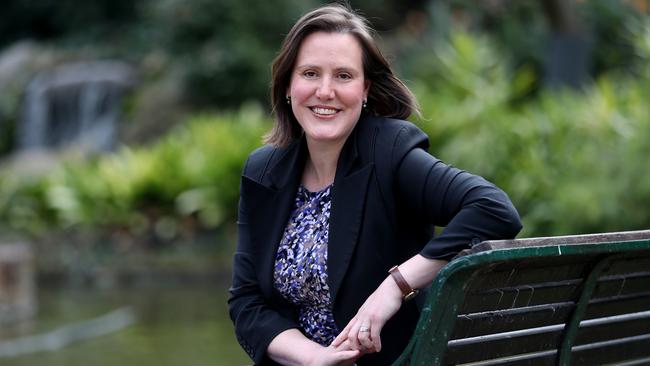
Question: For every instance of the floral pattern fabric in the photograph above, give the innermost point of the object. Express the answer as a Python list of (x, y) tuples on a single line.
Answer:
[(300, 273)]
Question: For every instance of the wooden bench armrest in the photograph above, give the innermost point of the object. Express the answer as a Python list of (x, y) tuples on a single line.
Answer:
[(557, 240)]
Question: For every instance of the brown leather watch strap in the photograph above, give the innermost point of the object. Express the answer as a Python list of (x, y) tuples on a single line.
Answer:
[(407, 291)]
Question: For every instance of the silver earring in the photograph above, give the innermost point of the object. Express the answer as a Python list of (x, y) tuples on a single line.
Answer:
[(288, 99), (365, 103)]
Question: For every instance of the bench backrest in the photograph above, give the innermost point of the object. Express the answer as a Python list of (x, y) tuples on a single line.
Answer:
[(578, 300)]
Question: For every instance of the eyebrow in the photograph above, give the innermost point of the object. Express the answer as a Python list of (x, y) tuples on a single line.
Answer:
[(340, 68)]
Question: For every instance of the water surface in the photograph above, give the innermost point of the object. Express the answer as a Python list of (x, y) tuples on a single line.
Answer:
[(183, 326)]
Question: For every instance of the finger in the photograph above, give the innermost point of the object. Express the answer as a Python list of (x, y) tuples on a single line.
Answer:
[(353, 335), (344, 346), (365, 341), (376, 338), (360, 336), (343, 335), (347, 355)]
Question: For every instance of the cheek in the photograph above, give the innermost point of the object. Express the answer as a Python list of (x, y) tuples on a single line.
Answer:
[(353, 97), (300, 91)]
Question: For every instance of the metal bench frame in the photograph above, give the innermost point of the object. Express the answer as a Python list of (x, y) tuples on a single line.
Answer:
[(433, 338)]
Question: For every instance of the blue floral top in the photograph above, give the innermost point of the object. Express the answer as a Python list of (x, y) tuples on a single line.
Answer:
[(301, 264)]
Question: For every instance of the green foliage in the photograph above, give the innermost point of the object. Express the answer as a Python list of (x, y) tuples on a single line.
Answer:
[(47, 19), (524, 30), (224, 47), (572, 162), (221, 49), (217, 53), (189, 177)]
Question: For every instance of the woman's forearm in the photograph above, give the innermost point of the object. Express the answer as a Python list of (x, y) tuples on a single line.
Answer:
[(419, 271), (291, 347)]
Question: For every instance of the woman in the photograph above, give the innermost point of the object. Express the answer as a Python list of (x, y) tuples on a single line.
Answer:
[(344, 192)]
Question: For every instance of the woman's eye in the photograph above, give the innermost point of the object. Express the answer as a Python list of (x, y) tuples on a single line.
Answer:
[(345, 76), (309, 74)]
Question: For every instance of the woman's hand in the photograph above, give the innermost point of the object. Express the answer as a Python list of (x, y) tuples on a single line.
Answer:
[(363, 331), (292, 348), (341, 355)]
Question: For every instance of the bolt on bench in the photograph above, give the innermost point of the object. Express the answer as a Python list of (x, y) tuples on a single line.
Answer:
[(570, 300)]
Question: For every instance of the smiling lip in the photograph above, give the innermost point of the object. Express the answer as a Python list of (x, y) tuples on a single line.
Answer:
[(324, 110)]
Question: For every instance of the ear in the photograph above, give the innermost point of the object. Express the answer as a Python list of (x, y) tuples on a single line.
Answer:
[(366, 88)]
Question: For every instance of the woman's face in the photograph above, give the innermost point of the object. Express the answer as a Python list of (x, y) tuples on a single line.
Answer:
[(328, 86)]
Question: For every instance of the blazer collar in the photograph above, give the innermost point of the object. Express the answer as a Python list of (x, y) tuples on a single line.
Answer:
[(291, 163), (274, 200), (287, 170)]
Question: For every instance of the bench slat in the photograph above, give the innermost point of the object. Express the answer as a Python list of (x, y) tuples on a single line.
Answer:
[(620, 326), (517, 299), (530, 270), (623, 285), (616, 350), (616, 305), (545, 358), (471, 325), (507, 344)]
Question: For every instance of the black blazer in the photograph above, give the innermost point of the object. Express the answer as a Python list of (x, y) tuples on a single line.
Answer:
[(388, 194)]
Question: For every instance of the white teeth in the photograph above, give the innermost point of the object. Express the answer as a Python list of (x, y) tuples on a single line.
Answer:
[(324, 110)]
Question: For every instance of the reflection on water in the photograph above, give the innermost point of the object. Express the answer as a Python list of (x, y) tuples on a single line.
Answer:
[(175, 326)]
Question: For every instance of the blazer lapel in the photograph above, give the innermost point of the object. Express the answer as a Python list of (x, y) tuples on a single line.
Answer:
[(348, 199), (272, 201)]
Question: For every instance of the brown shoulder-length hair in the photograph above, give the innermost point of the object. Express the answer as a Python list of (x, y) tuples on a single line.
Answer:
[(387, 96)]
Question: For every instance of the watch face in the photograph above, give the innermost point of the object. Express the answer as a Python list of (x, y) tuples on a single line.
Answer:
[(411, 295)]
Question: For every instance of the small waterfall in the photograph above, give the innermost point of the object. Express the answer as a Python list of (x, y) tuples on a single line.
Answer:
[(78, 103)]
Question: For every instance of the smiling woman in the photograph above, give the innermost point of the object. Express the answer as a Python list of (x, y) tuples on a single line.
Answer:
[(336, 212), (326, 93), (328, 88)]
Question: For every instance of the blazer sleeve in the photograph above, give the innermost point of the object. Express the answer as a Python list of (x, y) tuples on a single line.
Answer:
[(470, 208), (256, 321)]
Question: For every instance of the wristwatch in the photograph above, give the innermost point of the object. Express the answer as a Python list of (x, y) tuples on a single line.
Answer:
[(407, 291)]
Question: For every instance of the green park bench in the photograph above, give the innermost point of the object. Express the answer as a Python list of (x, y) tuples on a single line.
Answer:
[(570, 300)]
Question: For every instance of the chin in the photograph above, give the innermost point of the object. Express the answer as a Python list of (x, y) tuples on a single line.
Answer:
[(323, 137)]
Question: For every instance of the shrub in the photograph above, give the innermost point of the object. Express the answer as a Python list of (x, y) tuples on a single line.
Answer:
[(573, 162), (192, 173)]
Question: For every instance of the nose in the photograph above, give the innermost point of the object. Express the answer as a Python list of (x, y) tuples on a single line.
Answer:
[(325, 90)]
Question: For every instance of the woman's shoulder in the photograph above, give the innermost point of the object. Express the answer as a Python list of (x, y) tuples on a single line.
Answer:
[(393, 133), (258, 160), (387, 124), (265, 157)]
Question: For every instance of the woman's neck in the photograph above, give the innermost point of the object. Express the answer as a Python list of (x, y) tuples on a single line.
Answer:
[(320, 168)]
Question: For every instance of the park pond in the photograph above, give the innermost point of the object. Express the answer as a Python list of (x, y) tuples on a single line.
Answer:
[(180, 325)]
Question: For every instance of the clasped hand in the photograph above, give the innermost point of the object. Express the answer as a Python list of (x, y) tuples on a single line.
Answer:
[(362, 333)]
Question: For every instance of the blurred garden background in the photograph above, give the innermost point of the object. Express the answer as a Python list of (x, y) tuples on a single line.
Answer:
[(124, 126)]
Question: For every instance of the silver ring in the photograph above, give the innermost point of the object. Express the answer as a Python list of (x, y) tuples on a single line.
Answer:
[(364, 329)]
